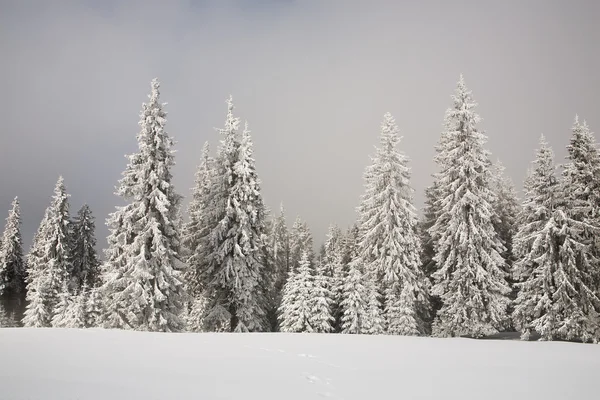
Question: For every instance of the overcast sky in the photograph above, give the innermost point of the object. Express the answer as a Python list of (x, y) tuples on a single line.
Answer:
[(312, 77)]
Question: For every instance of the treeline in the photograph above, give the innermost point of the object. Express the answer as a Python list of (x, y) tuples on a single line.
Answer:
[(479, 260)]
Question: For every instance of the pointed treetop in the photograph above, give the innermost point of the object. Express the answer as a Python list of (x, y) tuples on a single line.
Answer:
[(229, 102), (205, 149), (155, 84)]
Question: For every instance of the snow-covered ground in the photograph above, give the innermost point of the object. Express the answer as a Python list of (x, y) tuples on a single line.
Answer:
[(100, 364)]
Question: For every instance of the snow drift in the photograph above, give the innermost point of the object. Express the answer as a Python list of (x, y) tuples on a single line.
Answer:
[(109, 364)]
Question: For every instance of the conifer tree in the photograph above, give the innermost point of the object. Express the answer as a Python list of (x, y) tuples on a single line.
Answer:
[(49, 262), (12, 265), (321, 318), (237, 267), (506, 210), (279, 246), (389, 244), (296, 311), (61, 310), (470, 278), (555, 265), (355, 303), (301, 241), (143, 273), (196, 233), (86, 267), (94, 308)]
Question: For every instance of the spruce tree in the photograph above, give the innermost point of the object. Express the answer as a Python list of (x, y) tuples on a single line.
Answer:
[(279, 246), (321, 317), (556, 266), (470, 278), (355, 303), (86, 267), (143, 273), (49, 262), (237, 266), (94, 308), (61, 310), (301, 241), (506, 210), (296, 311), (389, 244), (196, 232), (12, 265)]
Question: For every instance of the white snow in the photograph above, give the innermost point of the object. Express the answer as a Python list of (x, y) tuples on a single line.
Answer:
[(111, 364)]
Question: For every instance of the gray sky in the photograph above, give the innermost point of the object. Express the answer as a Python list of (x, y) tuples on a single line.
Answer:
[(313, 78)]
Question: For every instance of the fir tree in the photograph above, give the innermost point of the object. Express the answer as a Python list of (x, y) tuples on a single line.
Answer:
[(12, 266), (94, 308), (555, 265), (60, 313), (86, 267), (470, 277), (296, 311), (389, 245), (279, 245), (301, 241), (321, 318), (143, 274), (196, 233), (506, 210), (355, 303), (237, 266), (49, 262)]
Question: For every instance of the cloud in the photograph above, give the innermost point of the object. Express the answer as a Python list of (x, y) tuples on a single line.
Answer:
[(313, 78)]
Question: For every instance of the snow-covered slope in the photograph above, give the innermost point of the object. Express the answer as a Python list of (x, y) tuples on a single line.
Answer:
[(99, 364)]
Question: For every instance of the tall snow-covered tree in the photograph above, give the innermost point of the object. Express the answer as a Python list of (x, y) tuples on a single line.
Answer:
[(470, 278), (430, 214), (389, 244), (335, 269), (237, 271), (279, 247), (506, 209), (556, 265), (301, 240), (49, 263), (355, 302), (94, 310), (12, 265), (143, 273), (86, 267), (321, 317), (196, 232), (296, 310)]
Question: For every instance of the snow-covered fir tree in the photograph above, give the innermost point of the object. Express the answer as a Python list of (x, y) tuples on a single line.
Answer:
[(335, 269), (236, 274), (61, 309), (143, 272), (196, 232), (86, 267), (355, 303), (470, 278), (506, 210), (12, 265), (279, 246), (430, 215), (301, 241), (296, 310), (49, 262), (321, 317), (94, 310), (556, 268), (389, 246)]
